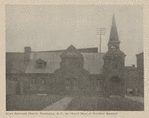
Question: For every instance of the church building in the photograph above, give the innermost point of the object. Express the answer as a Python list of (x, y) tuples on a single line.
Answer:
[(73, 72)]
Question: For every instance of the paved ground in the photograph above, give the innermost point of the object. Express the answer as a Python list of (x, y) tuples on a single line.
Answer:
[(135, 98), (60, 105), (30, 102), (102, 104)]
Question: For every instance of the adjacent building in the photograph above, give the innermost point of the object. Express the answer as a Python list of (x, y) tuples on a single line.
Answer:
[(140, 69)]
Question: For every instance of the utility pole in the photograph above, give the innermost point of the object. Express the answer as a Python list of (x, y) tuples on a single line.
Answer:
[(101, 31)]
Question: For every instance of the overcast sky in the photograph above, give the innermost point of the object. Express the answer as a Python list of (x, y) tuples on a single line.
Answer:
[(54, 27)]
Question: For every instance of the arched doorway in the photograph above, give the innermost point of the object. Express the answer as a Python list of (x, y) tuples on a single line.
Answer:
[(115, 86)]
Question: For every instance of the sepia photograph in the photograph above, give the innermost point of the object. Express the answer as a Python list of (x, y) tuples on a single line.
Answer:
[(74, 57)]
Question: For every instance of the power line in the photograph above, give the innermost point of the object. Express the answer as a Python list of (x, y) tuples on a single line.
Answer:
[(101, 31)]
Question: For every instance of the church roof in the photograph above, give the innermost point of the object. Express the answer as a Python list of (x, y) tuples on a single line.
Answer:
[(15, 60), (86, 50), (93, 62), (15, 63), (52, 59), (71, 51)]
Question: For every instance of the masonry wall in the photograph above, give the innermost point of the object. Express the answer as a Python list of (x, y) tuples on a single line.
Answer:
[(12, 84), (11, 87), (72, 82), (140, 69), (21, 84), (132, 81), (114, 67), (96, 85), (38, 84)]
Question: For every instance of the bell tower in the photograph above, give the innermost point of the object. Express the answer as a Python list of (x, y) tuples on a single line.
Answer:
[(114, 63)]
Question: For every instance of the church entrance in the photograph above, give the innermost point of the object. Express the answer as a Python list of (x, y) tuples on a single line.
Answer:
[(115, 86)]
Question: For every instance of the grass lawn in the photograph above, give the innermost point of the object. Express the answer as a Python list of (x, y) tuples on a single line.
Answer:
[(30, 102), (101, 104), (83, 103), (120, 104)]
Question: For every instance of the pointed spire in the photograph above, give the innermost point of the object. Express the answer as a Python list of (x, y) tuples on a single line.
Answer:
[(113, 33)]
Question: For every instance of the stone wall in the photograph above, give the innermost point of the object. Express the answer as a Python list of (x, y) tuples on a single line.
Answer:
[(114, 67), (96, 85), (23, 83), (72, 83), (80, 83), (132, 82), (11, 87)]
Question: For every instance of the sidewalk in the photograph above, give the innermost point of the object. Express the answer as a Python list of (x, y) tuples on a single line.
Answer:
[(136, 98), (60, 105)]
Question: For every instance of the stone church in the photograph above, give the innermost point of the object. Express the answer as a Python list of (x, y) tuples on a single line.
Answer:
[(72, 71)]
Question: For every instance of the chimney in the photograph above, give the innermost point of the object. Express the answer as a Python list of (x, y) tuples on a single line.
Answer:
[(133, 65), (27, 52)]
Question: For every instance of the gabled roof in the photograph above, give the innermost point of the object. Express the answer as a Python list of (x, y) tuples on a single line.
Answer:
[(53, 62), (71, 51), (93, 62), (85, 50)]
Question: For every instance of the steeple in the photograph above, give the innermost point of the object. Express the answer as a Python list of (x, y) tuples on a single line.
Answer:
[(113, 40)]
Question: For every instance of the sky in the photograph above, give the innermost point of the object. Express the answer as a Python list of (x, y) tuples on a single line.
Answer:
[(55, 27)]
